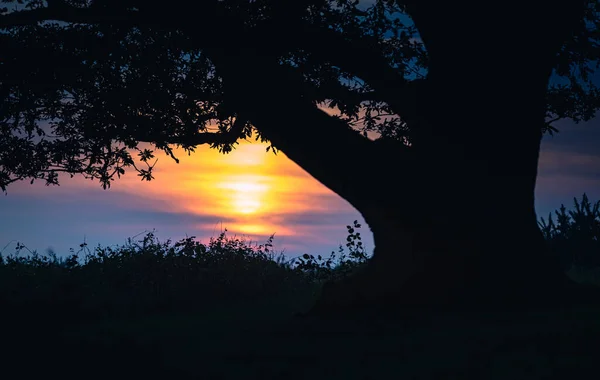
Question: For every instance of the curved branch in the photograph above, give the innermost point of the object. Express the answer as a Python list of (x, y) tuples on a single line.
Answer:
[(362, 58), (358, 56), (200, 138), (324, 146), (216, 138), (264, 93)]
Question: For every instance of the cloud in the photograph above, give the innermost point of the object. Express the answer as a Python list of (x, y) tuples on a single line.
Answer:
[(582, 138), (251, 193), (199, 197)]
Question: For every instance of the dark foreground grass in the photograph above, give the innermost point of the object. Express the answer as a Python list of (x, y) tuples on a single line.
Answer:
[(263, 341), (226, 310)]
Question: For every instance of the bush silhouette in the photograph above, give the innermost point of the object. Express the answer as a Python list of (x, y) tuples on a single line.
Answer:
[(575, 236), (147, 276)]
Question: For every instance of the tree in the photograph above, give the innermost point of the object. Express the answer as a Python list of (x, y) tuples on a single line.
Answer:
[(458, 102)]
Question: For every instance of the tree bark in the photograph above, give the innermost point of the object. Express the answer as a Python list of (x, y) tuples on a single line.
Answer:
[(475, 243)]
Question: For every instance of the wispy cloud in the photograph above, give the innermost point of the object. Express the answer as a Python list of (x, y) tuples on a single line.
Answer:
[(250, 192), (569, 166)]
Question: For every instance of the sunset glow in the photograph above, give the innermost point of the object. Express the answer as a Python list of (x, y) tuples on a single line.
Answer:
[(253, 192), (247, 195), (250, 192)]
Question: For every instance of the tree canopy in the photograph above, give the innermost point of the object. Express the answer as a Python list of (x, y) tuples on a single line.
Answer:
[(83, 83)]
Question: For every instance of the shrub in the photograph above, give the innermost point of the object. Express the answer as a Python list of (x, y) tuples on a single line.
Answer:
[(575, 237), (147, 276), (334, 267)]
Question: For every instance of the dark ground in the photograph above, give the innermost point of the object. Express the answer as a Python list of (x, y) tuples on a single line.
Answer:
[(264, 340)]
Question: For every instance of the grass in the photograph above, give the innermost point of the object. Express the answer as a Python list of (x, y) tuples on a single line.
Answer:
[(149, 277), (224, 310)]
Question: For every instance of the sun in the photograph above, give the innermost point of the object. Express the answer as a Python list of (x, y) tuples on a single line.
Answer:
[(246, 194)]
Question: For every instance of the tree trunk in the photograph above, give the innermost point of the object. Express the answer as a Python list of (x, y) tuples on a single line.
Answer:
[(468, 237), (475, 254)]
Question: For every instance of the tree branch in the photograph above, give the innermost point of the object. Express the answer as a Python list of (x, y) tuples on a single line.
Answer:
[(362, 58), (324, 146), (216, 138), (200, 138), (358, 56), (265, 94)]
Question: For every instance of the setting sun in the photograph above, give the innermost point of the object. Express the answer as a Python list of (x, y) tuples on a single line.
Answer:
[(246, 194), (250, 192)]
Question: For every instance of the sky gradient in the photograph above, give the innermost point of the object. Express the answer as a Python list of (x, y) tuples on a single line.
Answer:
[(250, 192)]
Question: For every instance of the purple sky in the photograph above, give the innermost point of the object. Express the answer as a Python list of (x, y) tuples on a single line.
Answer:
[(207, 191)]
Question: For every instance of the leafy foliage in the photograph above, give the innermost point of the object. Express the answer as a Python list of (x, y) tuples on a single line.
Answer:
[(335, 267), (95, 106), (147, 276), (80, 109), (575, 236), (575, 93)]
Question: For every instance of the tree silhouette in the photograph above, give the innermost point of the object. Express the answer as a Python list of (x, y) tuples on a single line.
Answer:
[(441, 119)]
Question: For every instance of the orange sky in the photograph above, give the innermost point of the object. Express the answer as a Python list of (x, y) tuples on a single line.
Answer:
[(250, 192), (249, 188)]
